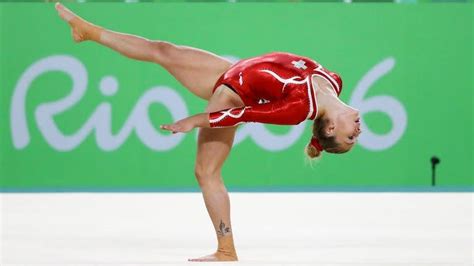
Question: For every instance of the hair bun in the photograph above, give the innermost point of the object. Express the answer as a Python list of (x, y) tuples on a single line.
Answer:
[(312, 152)]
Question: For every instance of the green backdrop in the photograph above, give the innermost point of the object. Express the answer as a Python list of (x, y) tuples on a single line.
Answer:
[(407, 67)]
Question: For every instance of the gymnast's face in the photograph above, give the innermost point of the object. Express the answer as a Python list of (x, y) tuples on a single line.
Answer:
[(346, 129)]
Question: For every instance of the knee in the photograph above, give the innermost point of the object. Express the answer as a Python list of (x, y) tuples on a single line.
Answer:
[(163, 52), (206, 176)]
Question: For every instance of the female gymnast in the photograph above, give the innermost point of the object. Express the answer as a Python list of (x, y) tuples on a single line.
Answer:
[(275, 88)]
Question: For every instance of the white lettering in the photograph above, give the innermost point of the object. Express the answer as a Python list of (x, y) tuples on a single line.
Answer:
[(266, 139), (385, 104), (138, 121), (101, 118)]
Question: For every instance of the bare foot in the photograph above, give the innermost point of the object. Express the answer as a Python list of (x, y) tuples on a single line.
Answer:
[(81, 29), (218, 256)]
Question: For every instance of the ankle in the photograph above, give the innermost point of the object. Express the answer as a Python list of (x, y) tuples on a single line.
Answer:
[(94, 32), (227, 252), (227, 247)]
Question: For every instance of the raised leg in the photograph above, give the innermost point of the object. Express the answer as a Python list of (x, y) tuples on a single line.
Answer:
[(214, 146), (195, 69)]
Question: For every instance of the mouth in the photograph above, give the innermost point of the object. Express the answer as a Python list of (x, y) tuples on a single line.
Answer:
[(357, 121)]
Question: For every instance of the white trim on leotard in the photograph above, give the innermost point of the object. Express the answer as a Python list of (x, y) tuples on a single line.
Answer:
[(227, 113), (293, 80)]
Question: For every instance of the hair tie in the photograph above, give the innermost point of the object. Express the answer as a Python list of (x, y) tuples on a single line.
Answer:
[(316, 144)]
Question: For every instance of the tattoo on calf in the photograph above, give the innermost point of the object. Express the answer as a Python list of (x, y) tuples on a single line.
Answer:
[(223, 230)]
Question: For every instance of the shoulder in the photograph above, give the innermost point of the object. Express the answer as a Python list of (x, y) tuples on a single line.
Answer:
[(333, 79)]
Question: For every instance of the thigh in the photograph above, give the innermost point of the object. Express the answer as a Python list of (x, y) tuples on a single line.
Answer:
[(214, 144), (197, 70)]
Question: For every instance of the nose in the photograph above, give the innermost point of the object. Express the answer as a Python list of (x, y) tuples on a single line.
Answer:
[(357, 115)]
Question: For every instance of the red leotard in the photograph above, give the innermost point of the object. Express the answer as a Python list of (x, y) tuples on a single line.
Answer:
[(276, 88)]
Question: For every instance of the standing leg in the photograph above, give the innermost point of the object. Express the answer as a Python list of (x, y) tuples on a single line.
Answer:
[(195, 69), (214, 146), (198, 71)]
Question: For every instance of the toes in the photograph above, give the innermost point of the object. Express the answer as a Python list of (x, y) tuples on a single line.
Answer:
[(65, 13), (201, 259)]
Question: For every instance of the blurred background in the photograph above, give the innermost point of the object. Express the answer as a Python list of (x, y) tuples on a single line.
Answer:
[(80, 117)]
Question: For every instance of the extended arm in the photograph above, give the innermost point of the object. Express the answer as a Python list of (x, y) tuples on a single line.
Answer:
[(288, 112)]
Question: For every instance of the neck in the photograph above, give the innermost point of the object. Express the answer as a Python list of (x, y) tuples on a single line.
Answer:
[(326, 100)]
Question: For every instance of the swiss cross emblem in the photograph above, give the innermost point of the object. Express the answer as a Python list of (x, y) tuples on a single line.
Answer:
[(300, 64)]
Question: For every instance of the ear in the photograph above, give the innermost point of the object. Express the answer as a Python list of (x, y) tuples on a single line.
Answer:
[(330, 129)]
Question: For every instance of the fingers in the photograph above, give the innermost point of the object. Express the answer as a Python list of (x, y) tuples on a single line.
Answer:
[(173, 128), (178, 127)]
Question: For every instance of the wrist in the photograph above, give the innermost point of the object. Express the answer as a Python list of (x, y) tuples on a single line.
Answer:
[(201, 120)]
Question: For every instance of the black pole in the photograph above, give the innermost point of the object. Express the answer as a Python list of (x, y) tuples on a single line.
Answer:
[(434, 161)]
